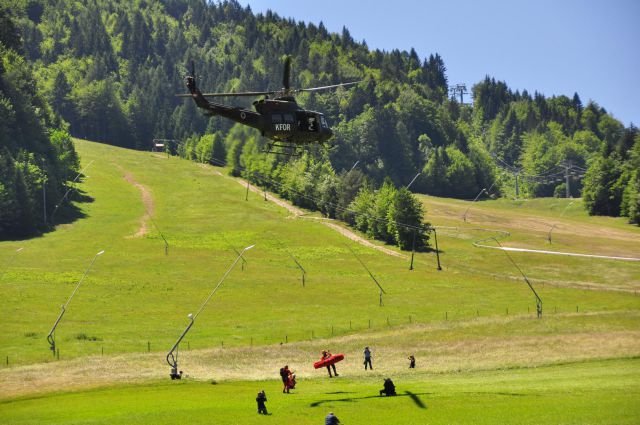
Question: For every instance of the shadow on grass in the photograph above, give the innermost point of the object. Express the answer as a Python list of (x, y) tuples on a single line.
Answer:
[(416, 400), (66, 211), (502, 393), (414, 397)]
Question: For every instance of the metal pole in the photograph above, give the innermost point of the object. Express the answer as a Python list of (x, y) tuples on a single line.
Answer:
[(304, 272), (382, 291), (413, 249), (172, 359), (236, 251), (412, 180), (51, 335), (67, 192), (538, 299), (567, 182), (561, 214), (474, 200), (435, 235), (354, 165), (44, 198), (549, 235), (6, 267)]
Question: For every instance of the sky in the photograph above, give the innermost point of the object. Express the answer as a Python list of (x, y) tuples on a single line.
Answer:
[(555, 47)]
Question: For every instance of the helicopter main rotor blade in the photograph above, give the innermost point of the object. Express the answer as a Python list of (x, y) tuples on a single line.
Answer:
[(247, 93), (327, 87), (287, 73)]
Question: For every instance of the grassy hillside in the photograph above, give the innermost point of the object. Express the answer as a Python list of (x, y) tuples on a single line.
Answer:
[(475, 315)]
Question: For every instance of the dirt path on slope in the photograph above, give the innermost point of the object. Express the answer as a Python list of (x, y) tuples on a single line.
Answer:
[(332, 224), (147, 201)]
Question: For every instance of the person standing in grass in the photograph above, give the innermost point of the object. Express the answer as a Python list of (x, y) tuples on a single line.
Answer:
[(262, 397), (367, 358), (331, 419), (325, 355), (412, 362), (285, 374)]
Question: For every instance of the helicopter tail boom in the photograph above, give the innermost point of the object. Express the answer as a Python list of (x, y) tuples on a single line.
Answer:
[(240, 115)]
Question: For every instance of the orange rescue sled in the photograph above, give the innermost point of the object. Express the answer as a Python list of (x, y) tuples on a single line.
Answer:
[(335, 358)]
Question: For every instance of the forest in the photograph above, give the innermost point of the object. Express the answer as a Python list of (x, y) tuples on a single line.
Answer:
[(108, 71)]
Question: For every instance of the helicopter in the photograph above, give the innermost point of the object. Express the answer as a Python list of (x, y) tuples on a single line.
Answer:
[(279, 119)]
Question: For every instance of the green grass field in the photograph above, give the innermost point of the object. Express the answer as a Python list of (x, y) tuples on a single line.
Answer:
[(571, 393), (473, 323)]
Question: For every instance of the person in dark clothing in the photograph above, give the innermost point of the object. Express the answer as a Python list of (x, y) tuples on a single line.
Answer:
[(389, 388), (285, 374), (325, 355), (262, 397), (367, 358), (331, 419), (412, 362)]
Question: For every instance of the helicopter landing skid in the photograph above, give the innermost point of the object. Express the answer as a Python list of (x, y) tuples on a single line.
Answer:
[(282, 148)]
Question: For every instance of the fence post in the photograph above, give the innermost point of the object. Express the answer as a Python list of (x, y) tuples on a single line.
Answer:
[(350, 325), (103, 350), (369, 323), (446, 315), (331, 330), (252, 341), (148, 346), (7, 360), (286, 338), (58, 354)]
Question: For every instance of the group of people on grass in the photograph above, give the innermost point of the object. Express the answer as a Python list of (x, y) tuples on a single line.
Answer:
[(289, 382)]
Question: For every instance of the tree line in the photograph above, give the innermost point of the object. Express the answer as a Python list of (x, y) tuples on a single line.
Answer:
[(37, 156), (389, 214), (111, 68)]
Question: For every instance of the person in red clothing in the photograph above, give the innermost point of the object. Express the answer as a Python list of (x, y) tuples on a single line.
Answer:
[(325, 355), (291, 383), (284, 374)]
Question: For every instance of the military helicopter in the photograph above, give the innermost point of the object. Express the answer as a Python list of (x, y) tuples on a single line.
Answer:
[(279, 118)]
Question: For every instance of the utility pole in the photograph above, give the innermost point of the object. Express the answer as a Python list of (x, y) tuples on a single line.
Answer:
[(567, 166), (460, 89), (517, 173), (44, 192)]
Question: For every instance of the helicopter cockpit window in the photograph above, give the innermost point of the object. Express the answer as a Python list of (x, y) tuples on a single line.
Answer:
[(288, 118), (276, 118)]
